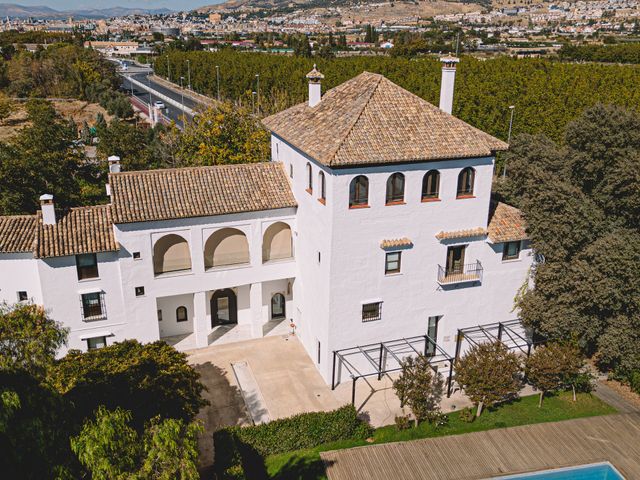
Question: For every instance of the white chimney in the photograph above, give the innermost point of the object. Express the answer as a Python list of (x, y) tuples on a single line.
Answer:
[(315, 86), (448, 82), (114, 164), (48, 209)]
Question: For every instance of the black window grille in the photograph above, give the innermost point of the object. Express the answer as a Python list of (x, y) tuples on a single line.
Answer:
[(371, 312), (93, 306)]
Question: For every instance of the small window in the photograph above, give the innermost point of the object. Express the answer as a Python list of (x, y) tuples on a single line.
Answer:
[(465, 182), (309, 178), (96, 342), (318, 351), (159, 315), (392, 262), (511, 250), (395, 189), (323, 197), (431, 185), (181, 314), (359, 192), (87, 266), (319, 257), (371, 311), (139, 291), (291, 170), (22, 296), (93, 306), (278, 308), (136, 255)]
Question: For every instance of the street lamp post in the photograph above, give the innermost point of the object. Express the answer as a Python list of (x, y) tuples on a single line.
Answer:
[(513, 109), (188, 74), (168, 70), (152, 114), (253, 102), (218, 80), (182, 95)]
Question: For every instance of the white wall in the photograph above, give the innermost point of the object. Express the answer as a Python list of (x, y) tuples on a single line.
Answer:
[(19, 272), (169, 325)]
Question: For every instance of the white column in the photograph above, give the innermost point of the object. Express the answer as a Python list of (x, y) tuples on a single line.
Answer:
[(200, 320), (255, 303)]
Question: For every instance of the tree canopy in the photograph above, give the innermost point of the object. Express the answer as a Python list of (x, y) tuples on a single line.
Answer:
[(580, 199)]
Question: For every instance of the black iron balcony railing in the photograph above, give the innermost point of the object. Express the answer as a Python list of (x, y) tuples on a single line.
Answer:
[(470, 272)]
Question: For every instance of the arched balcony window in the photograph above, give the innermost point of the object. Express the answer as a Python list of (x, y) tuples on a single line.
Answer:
[(227, 246), (277, 242), (431, 185), (171, 254), (322, 186), (309, 179), (395, 189), (466, 180), (359, 192)]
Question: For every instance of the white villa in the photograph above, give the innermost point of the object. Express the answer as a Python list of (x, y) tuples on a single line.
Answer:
[(371, 222)]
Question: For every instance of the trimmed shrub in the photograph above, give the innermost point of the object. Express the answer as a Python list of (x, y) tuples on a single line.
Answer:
[(249, 445), (634, 381)]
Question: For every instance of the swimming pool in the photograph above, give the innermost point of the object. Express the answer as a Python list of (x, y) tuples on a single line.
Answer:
[(596, 471)]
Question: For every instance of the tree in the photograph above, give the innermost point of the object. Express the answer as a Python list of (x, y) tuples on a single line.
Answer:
[(146, 379), (223, 134), (418, 387), (6, 106), (110, 449), (489, 373), (29, 339), (43, 158), (554, 366)]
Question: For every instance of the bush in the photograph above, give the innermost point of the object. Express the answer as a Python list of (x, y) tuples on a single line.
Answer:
[(634, 381), (403, 422), (247, 446), (466, 415)]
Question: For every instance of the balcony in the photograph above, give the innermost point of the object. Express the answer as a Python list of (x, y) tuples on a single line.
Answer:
[(470, 272)]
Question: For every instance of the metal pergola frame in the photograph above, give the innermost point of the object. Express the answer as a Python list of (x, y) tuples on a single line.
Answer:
[(497, 332), (383, 350)]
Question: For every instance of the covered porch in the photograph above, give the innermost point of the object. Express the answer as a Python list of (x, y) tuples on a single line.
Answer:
[(227, 315)]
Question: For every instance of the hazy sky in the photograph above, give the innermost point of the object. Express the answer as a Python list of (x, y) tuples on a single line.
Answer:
[(88, 4)]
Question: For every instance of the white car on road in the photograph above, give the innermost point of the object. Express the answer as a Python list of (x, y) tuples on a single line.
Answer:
[(159, 104)]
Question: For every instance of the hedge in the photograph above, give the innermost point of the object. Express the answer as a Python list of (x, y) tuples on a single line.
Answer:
[(239, 451)]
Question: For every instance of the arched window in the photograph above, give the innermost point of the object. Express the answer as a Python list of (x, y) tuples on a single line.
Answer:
[(309, 178), (181, 314), (359, 192), (431, 185), (465, 182), (171, 254), (395, 188), (276, 243), (323, 194), (278, 309), (227, 246)]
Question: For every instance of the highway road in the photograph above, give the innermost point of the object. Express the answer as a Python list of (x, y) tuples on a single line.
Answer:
[(171, 112)]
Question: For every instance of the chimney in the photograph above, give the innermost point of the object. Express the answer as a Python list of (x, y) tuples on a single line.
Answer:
[(114, 164), (448, 80), (315, 86), (48, 209)]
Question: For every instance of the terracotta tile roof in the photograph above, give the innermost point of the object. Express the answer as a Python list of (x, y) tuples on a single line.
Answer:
[(17, 233), (371, 120), (80, 230), (396, 242), (470, 232), (506, 224), (199, 192)]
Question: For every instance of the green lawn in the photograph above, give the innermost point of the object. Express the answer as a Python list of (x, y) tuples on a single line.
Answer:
[(306, 464)]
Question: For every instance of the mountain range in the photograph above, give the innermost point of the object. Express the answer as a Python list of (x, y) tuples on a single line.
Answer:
[(13, 10)]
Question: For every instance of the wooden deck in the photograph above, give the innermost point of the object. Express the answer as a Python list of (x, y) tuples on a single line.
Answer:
[(481, 455)]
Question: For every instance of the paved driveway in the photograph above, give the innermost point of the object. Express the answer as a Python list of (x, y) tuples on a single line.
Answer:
[(287, 379)]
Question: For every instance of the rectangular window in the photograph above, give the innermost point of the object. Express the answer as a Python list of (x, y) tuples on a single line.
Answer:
[(87, 266), (432, 333), (318, 351), (96, 342), (455, 259), (93, 306), (511, 250), (22, 296), (371, 311), (136, 255), (139, 291), (159, 315), (392, 262)]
